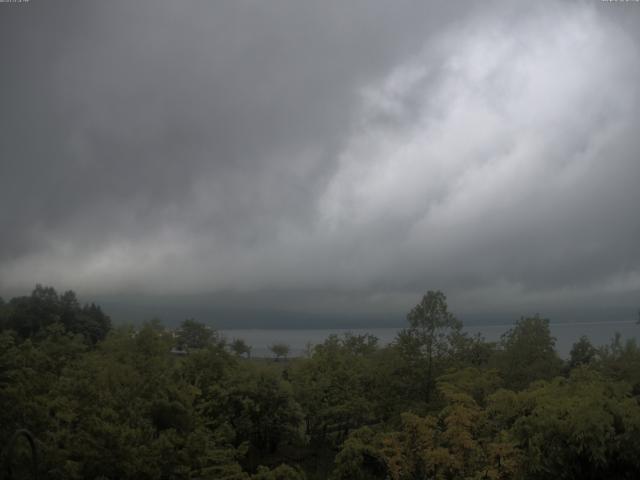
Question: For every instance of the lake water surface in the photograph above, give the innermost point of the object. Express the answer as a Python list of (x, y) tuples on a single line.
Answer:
[(566, 335)]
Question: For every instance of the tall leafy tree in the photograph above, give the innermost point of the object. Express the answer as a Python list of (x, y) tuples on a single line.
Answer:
[(337, 388), (193, 334), (30, 316), (528, 353), (430, 338), (582, 353), (620, 360), (240, 347)]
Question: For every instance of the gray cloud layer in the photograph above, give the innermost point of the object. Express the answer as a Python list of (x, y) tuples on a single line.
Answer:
[(357, 155)]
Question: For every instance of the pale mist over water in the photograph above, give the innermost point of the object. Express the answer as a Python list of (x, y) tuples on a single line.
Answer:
[(566, 334)]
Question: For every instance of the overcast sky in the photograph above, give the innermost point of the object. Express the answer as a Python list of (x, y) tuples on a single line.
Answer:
[(323, 156)]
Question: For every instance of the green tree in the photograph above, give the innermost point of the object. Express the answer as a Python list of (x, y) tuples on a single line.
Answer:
[(262, 410), (528, 353), (30, 316), (432, 334), (193, 334), (280, 350), (89, 321), (583, 427), (126, 410), (621, 361), (338, 388), (360, 458), (240, 347), (582, 353)]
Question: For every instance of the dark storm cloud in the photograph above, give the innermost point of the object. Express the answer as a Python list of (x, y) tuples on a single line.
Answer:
[(365, 150), (125, 106), (114, 114)]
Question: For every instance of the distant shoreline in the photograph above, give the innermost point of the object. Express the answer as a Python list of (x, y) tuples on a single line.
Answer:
[(398, 327)]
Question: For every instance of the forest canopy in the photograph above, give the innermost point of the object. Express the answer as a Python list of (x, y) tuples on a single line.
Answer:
[(149, 402)]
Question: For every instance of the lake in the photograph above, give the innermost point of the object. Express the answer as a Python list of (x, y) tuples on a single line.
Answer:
[(566, 335)]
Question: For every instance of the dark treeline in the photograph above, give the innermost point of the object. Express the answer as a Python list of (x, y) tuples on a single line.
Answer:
[(152, 403)]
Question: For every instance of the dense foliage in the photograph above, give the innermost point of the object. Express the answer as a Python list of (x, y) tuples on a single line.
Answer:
[(152, 403)]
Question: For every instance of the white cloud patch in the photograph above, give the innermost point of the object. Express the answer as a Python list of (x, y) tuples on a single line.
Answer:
[(506, 152)]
